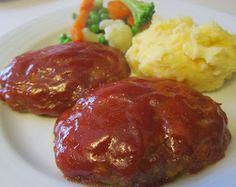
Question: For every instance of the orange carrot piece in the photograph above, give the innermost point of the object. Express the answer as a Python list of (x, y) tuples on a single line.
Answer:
[(79, 24), (81, 20), (118, 10), (130, 20), (86, 5)]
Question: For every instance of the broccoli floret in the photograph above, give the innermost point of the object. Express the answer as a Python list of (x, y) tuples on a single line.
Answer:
[(141, 11)]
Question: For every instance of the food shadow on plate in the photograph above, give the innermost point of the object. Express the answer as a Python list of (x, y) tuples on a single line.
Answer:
[(230, 82), (227, 89), (33, 128)]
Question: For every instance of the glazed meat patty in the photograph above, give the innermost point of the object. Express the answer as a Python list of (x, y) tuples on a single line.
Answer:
[(50, 80), (140, 133)]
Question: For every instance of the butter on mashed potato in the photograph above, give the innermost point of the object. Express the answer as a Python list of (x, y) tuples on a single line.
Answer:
[(202, 56)]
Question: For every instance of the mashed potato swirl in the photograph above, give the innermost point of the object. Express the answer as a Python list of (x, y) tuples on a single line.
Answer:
[(202, 56)]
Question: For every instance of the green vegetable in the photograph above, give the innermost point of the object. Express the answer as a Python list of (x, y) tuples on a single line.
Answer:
[(103, 40), (141, 11), (94, 28), (74, 15), (135, 29), (102, 11), (64, 38), (89, 22), (104, 16), (94, 16)]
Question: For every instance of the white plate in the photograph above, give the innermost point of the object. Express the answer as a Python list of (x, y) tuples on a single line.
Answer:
[(26, 140)]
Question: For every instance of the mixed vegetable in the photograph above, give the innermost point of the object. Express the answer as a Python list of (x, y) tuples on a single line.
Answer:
[(111, 23)]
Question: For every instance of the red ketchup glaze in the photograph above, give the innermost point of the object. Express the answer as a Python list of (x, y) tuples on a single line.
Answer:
[(139, 133), (50, 80)]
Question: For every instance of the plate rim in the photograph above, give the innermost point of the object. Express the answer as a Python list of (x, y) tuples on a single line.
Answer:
[(42, 18)]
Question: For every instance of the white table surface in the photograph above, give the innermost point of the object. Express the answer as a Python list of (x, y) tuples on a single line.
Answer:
[(17, 12)]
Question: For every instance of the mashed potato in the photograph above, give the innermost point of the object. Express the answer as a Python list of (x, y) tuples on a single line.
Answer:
[(202, 56)]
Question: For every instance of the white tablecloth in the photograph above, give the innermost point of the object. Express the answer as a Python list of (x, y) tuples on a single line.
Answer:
[(16, 12)]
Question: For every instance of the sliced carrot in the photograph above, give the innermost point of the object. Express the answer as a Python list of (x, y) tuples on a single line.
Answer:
[(118, 10), (81, 20), (87, 5), (79, 24), (130, 20)]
